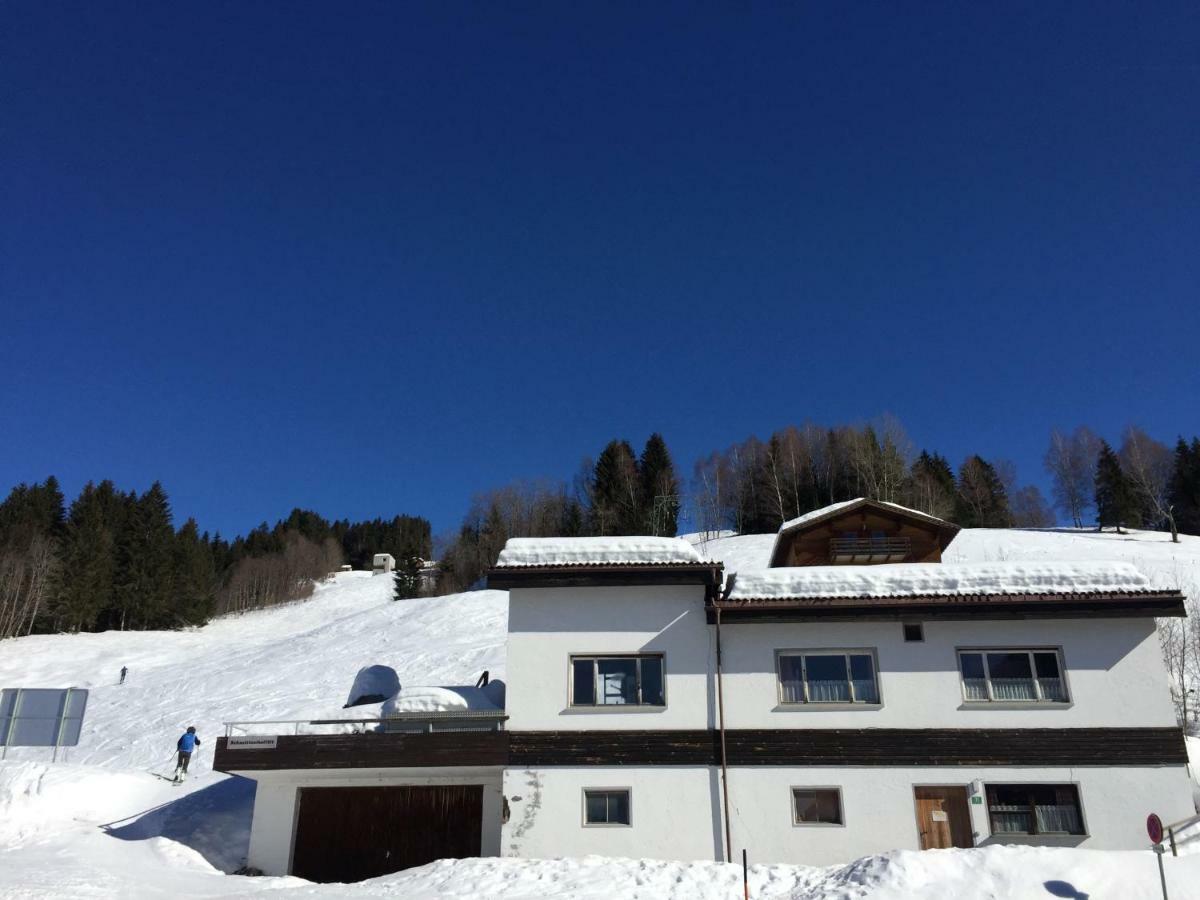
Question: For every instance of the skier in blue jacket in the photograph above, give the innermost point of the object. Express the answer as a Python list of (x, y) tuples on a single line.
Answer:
[(186, 744)]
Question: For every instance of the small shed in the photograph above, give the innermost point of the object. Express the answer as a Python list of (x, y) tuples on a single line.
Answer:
[(383, 563)]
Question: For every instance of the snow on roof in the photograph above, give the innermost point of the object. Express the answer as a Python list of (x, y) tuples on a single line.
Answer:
[(832, 508), (580, 551), (936, 579), (456, 698)]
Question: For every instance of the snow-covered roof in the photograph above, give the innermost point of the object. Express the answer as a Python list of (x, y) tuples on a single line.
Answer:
[(938, 579), (846, 505), (582, 551)]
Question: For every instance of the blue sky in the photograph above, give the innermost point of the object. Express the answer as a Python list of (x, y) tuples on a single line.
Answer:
[(374, 258)]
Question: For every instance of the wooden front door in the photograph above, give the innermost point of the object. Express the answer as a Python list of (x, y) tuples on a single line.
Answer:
[(348, 834), (943, 817)]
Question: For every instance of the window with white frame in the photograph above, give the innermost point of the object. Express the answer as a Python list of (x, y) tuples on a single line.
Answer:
[(1034, 809), (827, 676), (1012, 676), (634, 680), (817, 806), (606, 806)]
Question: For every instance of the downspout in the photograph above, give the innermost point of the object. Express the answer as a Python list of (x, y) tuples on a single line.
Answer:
[(724, 756)]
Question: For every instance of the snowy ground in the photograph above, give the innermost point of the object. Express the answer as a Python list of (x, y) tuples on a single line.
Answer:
[(101, 825)]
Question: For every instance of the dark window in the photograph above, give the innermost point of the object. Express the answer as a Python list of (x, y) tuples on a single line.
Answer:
[(617, 681), (828, 677), (913, 631), (606, 807), (1034, 809), (816, 806)]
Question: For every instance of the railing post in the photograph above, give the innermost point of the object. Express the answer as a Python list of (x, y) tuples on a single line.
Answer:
[(1171, 835)]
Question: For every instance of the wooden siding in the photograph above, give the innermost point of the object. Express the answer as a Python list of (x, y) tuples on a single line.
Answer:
[(745, 747), (808, 544), (373, 750)]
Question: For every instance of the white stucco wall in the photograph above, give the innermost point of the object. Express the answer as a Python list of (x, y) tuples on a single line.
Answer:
[(1113, 667), (1114, 671), (275, 805), (547, 625), (676, 811)]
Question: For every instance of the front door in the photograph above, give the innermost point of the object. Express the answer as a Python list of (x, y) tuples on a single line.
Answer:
[(943, 817)]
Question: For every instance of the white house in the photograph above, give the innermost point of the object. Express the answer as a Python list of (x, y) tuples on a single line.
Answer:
[(856, 695), (382, 563)]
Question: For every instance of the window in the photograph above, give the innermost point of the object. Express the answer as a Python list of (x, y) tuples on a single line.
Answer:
[(609, 806), (617, 681), (828, 676), (817, 806), (1034, 809), (913, 632), (1021, 676)]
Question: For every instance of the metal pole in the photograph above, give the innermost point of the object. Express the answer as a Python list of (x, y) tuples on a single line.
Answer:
[(745, 875), (724, 758), (1162, 875), (1171, 835), (12, 723), (62, 721)]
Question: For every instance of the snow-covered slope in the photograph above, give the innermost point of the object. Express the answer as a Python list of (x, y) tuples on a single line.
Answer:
[(100, 825)]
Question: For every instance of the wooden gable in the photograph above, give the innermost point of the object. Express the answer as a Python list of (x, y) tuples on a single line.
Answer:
[(863, 532)]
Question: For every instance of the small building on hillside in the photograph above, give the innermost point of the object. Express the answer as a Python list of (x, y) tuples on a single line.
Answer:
[(383, 563), (848, 694)]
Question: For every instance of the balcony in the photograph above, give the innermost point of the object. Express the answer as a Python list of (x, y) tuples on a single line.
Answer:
[(865, 550)]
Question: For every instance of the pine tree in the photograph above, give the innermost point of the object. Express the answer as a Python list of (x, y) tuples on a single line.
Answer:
[(195, 578), (982, 499), (932, 485), (1116, 502), (89, 553), (1184, 492), (407, 578), (659, 488), (616, 491)]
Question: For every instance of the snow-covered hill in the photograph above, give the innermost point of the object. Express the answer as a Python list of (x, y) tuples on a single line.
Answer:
[(101, 825)]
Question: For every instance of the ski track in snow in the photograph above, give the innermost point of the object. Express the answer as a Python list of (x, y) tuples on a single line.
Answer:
[(99, 825)]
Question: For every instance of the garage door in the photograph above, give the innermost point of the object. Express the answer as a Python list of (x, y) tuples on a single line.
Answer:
[(348, 834)]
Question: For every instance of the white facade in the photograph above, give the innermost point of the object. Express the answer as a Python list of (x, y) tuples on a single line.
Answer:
[(382, 563), (1112, 667)]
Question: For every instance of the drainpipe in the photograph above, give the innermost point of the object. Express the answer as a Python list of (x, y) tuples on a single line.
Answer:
[(724, 758)]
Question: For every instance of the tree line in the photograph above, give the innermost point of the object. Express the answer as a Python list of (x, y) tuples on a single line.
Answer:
[(619, 493), (114, 560)]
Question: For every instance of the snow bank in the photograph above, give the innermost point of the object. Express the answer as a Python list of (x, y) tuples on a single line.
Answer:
[(445, 699), (927, 579), (1013, 873), (584, 550)]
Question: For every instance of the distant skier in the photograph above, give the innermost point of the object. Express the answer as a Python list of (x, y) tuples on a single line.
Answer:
[(187, 743), (124, 672)]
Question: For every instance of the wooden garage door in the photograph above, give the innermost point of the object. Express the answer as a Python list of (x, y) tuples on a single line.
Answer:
[(348, 834)]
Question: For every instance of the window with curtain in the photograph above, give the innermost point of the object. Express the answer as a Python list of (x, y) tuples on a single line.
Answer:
[(1034, 809), (1012, 675), (617, 680), (828, 676)]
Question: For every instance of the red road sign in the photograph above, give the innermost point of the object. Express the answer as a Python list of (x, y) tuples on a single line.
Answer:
[(1154, 828)]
